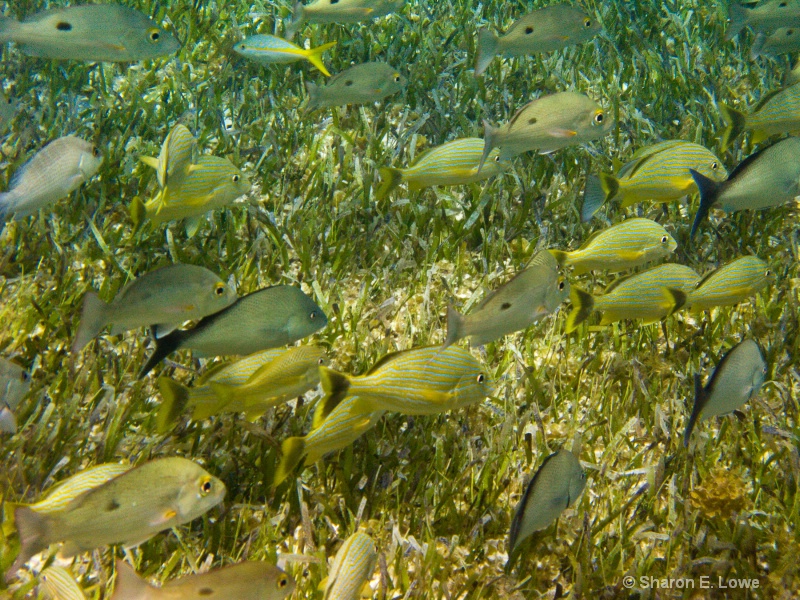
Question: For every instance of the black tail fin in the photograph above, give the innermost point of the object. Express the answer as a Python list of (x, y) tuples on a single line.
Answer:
[(737, 122), (164, 347), (335, 385), (709, 190), (699, 397)]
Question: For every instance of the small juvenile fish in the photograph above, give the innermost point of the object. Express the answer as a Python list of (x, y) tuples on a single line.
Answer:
[(543, 30), (271, 317), (452, 163), (164, 298), (527, 297), (343, 426), (242, 581), (781, 41), (737, 378), (554, 488), (659, 173), (769, 177), (547, 124), (650, 295), (768, 16), (57, 583), (730, 284), (127, 509), (620, 247), (14, 385), (368, 82), (92, 32), (342, 11), (778, 112), (53, 173), (352, 568), (272, 49), (178, 153), (420, 381)]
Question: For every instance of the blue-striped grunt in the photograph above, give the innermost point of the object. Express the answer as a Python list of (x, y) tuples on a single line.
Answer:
[(659, 173), (367, 82), (351, 569), (544, 30), (735, 380), (452, 163), (650, 295), (620, 247), (242, 581), (343, 426), (730, 284), (420, 381), (58, 583), (546, 124), (777, 112), (14, 385), (530, 295), (272, 49), (178, 153)]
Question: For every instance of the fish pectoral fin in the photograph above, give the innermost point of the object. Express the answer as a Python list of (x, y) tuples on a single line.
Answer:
[(69, 549), (557, 132), (164, 518), (150, 161), (630, 255)]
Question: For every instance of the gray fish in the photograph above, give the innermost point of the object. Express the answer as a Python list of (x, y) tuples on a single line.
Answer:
[(53, 173), (781, 41), (268, 318), (14, 384), (768, 16), (368, 82), (92, 32), (530, 295), (737, 378), (555, 487), (769, 177), (164, 298)]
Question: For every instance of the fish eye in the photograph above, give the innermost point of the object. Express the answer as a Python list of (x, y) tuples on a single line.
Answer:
[(235, 178), (497, 158), (598, 117), (312, 315), (219, 289), (95, 152), (283, 582), (397, 77), (206, 486), (154, 35), (481, 378), (321, 361), (561, 285), (768, 273), (664, 239), (26, 376), (714, 166), (587, 23)]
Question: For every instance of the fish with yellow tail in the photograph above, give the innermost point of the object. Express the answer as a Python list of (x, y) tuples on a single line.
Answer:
[(657, 173), (452, 163), (555, 487), (777, 112), (272, 49), (343, 426), (623, 246), (547, 124), (128, 509), (736, 379), (242, 581), (421, 381), (543, 30), (361, 84), (730, 284), (650, 296), (529, 296), (352, 569)]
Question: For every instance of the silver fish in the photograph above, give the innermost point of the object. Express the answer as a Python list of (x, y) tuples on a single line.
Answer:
[(14, 384)]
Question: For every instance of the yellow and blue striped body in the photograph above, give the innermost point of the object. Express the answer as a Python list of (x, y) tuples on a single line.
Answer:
[(623, 246), (352, 568), (778, 112), (731, 283), (57, 583)]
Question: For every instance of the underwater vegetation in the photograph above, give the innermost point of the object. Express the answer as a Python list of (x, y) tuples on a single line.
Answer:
[(556, 460)]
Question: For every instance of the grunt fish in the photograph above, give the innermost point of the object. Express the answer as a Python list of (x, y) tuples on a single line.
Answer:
[(778, 112), (352, 568), (342, 11), (57, 583), (14, 385), (367, 82), (730, 284), (768, 16)]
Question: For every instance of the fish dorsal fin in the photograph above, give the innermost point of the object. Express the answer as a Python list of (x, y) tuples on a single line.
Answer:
[(616, 283), (630, 169), (766, 98), (516, 522), (705, 278), (543, 258), (747, 162), (519, 112), (214, 370), (385, 360), (590, 239)]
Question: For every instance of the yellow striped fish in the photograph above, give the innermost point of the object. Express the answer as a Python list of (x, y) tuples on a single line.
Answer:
[(623, 246), (57, 583), (178, 153), (730, 284), (341, 428), (650, 295), (453, 163), (777, 112), (421, 381), (352, 568), (272, 49), (659, 173)]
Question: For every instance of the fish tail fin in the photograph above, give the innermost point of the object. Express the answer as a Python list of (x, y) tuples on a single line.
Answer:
[(583, 305), (32, 528), (489, 142), (455, 326), (164, 347), (293, 449), (129, 586), (610, 186), (736, 123), (298, 18), (737, 17), (487, 50), (9, 523), (594, 196), (562, 258), (93, 319), (7, 27), (314, 56), (390, 179), (314, 99), (335, 385), (708, 196), (676, 300), (175, 397), (698, 402)]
